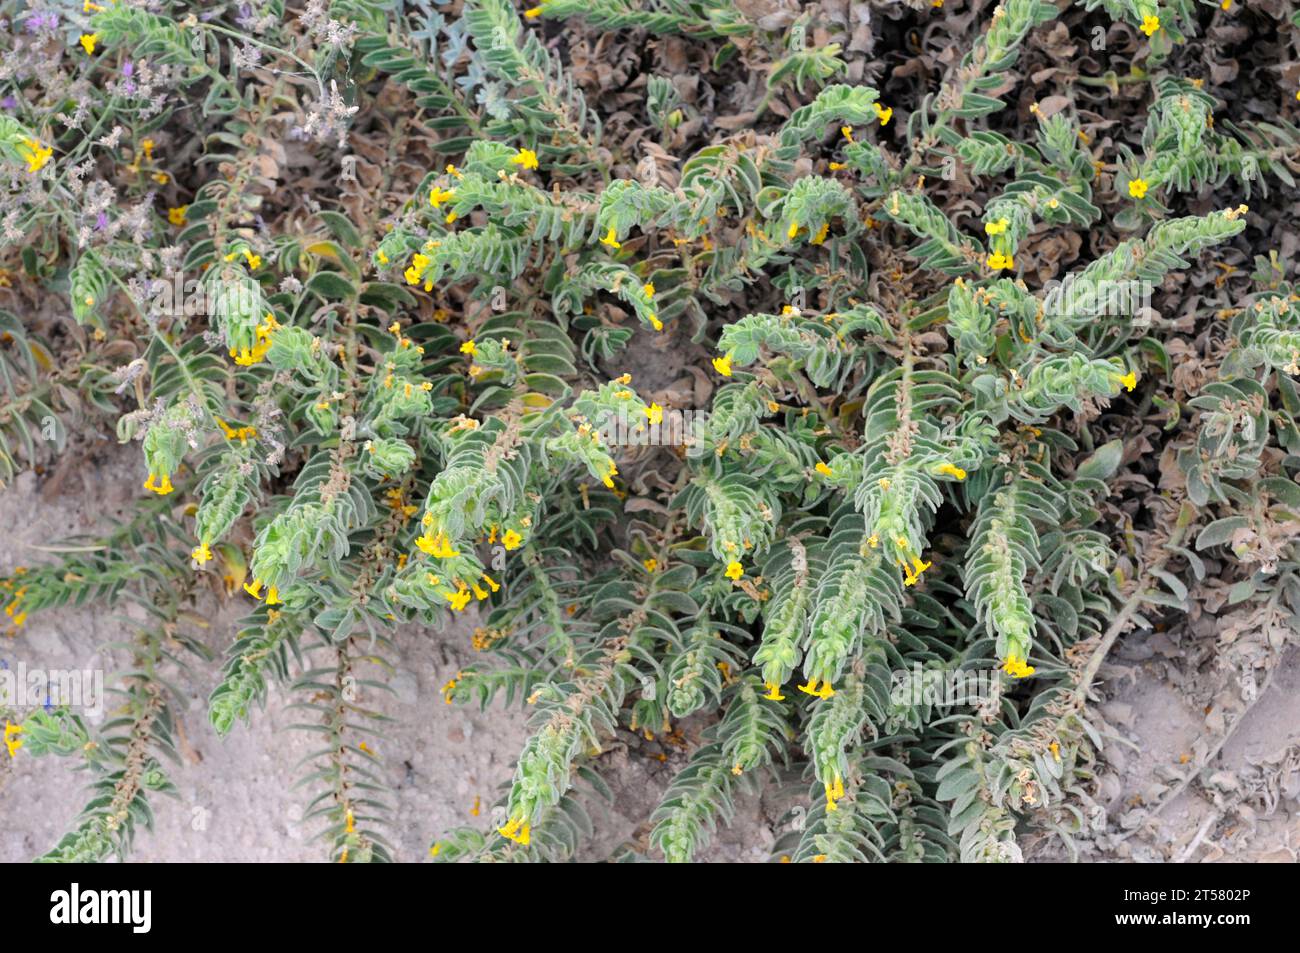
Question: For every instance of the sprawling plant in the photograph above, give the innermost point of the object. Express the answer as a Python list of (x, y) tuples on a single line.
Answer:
[(379, 291)]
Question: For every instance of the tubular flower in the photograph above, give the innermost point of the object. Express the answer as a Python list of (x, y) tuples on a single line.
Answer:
[(12, 741), (834, 792), (526, 158), (649, 289), (1129, 380), (655, 414), (1137, 188), (35, 154), (996, 228), (723, 364), (511, 539), (437, 196), (1017, 667), (883, 113), (88, 41), (912, 574), (655, 322), (11, 610), (1150, 24), (997, 261), (811, 689), (469, 347), (610, 240), (254, 589), (201, 553), (437, 546), (773, 692), (608, 479), (459, 599), (162, 487), (734, 570), (957, 473), (823, 469), (517, 830), (415, 272)]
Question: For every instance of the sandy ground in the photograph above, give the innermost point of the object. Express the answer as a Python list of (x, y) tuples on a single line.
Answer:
[(236, 801)]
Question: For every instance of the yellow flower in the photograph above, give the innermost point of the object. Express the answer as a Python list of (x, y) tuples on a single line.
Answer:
[(201, 553), (952, 471), (835, 166), (811, 689), (254, 589), (177, 215), (533, 13), (794, 230), (610, 240), (823, 469), (517, 830), (1016, 667), (847, 132), (439, 195), (469, 348), (655, 322), (650, 564), (734, 570), (12, 741), (883, 113), (437, 546), (608, 479), (996, 228), (723, 364), (88, 41), (511, 539), (998, 261), (35, 154), (655, 414), (458, 600), (649, 289), (1129, 380), (773, 692), (162, 488), (1149, 26), (1055, 748), (526, 158), (1137, 188), (834, 792), (822, 232)]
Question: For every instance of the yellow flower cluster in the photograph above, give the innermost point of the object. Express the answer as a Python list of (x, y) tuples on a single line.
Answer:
[(12, 741), (35, 154), (159, 483), (517, 830), (459, 598), (811, 689), (254, 589), (249, 356), (438, 546), (1017, 667), (11, 610)]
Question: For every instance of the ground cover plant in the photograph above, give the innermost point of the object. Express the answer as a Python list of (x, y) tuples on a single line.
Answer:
[(756, 366)]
